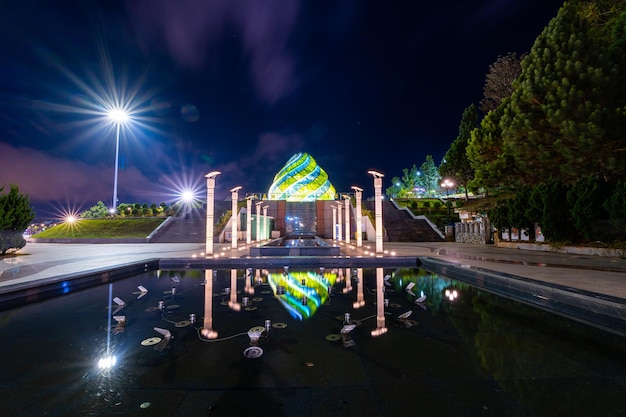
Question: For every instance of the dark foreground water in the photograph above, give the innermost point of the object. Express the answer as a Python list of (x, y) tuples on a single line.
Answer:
[(462, 352)]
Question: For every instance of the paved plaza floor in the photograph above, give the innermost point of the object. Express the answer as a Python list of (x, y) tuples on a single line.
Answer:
[(602, 275)]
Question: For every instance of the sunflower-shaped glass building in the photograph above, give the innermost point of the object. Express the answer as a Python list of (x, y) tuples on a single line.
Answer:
[(301, 179)]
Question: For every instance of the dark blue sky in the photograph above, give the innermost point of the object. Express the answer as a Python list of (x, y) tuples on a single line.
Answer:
[(239, 86)]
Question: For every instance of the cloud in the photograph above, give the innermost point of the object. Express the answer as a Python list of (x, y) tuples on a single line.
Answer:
[(46, 178), (191, 31)]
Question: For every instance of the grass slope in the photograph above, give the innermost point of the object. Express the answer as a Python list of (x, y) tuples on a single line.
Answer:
[(102, 228)]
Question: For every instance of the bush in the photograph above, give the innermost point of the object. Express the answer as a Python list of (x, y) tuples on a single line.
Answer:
[(586, 199), (616, 207), (11, 239)]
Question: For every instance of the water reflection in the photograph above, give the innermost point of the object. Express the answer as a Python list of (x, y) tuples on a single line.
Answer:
[(301, 292), (490, 354)]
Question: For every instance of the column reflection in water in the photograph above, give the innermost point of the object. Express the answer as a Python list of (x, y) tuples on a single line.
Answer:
[(233, 304), (248, 277), (380, 304), (207, 331), (360, 300), (348, 278)]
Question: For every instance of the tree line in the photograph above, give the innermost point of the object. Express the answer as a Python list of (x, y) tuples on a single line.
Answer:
[(553, 130)]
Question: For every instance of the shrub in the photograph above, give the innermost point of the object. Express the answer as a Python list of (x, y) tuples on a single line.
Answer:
[(11, 239)]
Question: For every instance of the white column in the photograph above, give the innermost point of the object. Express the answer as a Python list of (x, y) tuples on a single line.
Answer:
[(210, 201), (234, 219), (378, 208), (249, 219), (359, 216), (207, 331), (265, 223), (258, 221), (334, 222), (347, 218), (339, 223)]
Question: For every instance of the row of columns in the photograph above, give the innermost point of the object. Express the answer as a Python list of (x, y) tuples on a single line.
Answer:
[(210, 209), (337, 215)]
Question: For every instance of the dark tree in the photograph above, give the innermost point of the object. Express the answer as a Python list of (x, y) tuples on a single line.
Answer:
[(566, 117), (15, 216), (556, 222), (586, 203), (499, 81), (456, 164), (616, 207)]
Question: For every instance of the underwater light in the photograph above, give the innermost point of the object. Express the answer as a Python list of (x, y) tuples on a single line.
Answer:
[(107, 362)]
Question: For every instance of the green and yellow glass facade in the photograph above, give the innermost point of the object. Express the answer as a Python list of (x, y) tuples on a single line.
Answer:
[(301, 179)]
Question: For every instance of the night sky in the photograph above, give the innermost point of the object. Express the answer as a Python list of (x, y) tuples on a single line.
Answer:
[(238, 86)]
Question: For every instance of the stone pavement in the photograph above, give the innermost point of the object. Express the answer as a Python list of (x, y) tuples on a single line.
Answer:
[(602, 275)]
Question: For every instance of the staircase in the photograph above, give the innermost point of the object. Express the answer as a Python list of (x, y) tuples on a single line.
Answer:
[(400, 226), (189, 228)]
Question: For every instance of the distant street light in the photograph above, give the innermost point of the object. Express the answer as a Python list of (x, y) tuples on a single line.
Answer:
[(119, 117), (447, 184)]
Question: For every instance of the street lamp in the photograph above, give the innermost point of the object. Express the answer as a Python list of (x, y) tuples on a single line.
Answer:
[(210, 201), (119, 117), (447, 184), (378, 208)]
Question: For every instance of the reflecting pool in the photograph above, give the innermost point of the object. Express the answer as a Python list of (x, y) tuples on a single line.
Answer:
[(327, 342)]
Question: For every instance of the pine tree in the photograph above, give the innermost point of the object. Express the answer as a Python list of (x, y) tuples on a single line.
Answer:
[(456, 163), (567, 115), (15, 216)]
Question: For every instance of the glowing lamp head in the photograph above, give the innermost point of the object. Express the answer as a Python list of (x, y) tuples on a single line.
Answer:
[(187, 196), (118, 115)]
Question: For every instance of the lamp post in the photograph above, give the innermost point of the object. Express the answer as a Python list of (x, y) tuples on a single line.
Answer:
[(210, 201), (258, 220), (249, 219), (378, 208), (447, 184), (234, 195), (359, 216), (347, 219), (119, 117)]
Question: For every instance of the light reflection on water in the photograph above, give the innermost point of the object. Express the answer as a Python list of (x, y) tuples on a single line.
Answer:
[(487, 355)]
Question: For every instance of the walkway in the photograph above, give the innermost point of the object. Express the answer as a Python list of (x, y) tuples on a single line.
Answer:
[(607, 276)]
